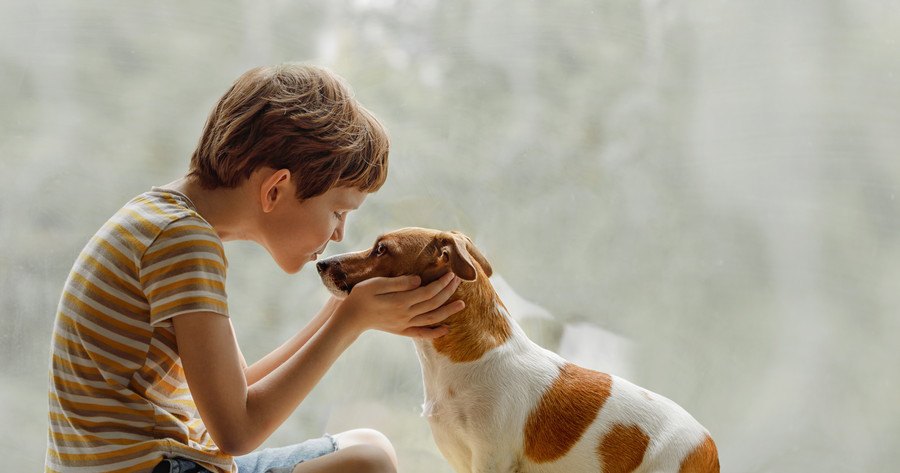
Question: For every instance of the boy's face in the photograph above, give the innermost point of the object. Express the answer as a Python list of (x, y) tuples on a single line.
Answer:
[(294, 232)]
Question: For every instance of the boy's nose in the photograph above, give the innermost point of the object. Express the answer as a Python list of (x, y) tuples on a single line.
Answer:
[(338, 234)]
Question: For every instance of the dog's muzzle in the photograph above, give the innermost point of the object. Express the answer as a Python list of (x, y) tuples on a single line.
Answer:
[(333, 276)]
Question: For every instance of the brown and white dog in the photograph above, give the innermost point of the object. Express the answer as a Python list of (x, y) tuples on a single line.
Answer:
[(497, 402)]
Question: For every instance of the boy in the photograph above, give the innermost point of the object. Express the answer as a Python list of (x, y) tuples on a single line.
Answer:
[(146, 373)]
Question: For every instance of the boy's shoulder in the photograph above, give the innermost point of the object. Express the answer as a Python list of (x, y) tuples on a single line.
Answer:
[(155, 210), (152, 216), (164, 205)]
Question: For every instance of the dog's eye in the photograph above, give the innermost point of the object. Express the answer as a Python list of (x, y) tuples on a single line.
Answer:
[(380, 249)]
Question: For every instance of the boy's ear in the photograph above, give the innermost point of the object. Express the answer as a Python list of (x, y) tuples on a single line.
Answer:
[(273, 187)]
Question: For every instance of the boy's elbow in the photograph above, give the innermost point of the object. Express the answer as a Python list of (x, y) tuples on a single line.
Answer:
[(234, 443), (233, 446)]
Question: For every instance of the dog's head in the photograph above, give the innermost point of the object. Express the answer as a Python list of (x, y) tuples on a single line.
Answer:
[(421, 251)]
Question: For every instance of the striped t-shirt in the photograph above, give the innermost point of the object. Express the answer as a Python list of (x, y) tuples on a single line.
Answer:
[(118, 397)]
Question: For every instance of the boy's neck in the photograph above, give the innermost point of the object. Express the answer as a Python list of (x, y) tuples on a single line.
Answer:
[(225, 209)]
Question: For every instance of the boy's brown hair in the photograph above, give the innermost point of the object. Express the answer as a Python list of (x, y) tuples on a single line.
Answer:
[(292, 116)]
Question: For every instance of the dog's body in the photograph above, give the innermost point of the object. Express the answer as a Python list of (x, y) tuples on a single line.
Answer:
[(497, 402)]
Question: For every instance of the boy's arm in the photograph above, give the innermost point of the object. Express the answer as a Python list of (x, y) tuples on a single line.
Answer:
[(276, 358), (240, 416)]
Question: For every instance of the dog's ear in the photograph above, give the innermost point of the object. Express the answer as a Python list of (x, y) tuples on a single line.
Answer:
[(459, 250), (475, 253)]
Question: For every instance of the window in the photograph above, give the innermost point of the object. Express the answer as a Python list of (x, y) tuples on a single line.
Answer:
[(702, 195)]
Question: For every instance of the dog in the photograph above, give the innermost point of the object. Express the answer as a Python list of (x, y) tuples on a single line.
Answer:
[(497, 402)]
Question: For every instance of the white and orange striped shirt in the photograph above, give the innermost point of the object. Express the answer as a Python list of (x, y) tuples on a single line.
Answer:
[(119, 401)]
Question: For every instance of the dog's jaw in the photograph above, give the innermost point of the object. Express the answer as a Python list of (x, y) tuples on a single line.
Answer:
[(337, 289)]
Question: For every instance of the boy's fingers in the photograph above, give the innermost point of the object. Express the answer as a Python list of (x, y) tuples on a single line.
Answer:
[(425, 293), (427, 333), (409, 297), (437, 315), (438, 299), (398, 284)]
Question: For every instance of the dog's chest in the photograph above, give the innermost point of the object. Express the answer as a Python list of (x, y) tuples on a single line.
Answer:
[(469, 405), (459, 398), (483, 404)]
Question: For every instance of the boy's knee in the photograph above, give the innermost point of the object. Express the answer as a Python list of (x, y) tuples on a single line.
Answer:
[(376, 447), (368, 458)]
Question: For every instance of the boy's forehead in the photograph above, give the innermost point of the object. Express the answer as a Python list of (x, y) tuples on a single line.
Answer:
[(348, 197)]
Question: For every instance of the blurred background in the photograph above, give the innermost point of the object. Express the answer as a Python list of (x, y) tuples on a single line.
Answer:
[(701, 195)]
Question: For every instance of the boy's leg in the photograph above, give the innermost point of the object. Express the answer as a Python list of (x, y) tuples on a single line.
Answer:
[(360, 450)]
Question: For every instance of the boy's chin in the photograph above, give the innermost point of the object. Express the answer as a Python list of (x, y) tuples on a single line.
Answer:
[(292, 267)]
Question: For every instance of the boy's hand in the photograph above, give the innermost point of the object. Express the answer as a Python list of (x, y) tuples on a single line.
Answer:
[(400, 306)]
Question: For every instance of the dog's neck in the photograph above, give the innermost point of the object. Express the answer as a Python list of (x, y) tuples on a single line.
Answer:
[(478, 328)]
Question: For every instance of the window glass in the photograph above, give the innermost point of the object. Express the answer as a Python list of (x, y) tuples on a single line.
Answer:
[(700, 196)]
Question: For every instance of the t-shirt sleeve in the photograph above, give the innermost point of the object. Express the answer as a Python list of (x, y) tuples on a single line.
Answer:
[(183, 271)]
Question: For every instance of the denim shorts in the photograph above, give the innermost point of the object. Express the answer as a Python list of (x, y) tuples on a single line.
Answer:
[(269, 460)]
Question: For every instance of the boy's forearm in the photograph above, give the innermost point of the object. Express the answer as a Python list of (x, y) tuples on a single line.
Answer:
[(272, 399), (277, 357)]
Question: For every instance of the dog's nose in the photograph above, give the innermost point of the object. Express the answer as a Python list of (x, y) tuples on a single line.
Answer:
[(322, 265)]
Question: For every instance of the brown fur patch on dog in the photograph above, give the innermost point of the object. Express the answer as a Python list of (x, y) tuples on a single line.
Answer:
[(703, 459), (479, 327), (622, 449), (565, 411)]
